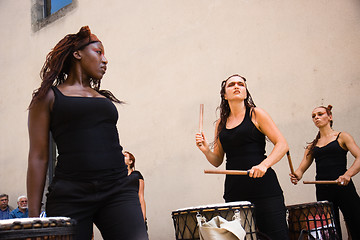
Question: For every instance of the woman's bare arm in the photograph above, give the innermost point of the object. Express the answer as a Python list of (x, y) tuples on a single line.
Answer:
[(38, 127), (215, 157), (348, 142), (142, 198), (266, 125), (304, 165)]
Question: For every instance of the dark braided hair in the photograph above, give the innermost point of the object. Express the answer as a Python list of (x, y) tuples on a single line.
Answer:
[(224, 104), (58, 62), (315, 141)]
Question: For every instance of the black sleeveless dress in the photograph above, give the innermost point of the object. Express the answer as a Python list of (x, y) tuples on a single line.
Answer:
[(91, 183), (244, 146), (331, 162), (84, 130)]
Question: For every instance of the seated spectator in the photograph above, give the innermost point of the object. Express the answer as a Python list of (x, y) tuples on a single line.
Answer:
[(22, 210), (5, 209)]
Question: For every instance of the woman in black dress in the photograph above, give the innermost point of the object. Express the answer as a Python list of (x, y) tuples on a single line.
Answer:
[(90, 183), (136, 180), (240, 134), (329, 149)]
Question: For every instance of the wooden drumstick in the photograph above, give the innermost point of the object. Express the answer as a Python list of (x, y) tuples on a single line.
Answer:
[(227, 172), (201, 117), (290, 162), (321, 182)]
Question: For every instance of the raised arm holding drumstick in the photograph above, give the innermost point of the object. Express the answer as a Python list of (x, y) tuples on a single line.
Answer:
[(329, 149), (240, 133)]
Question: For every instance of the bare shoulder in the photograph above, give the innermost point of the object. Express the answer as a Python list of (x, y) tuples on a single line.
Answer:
[(260, 115), (345, 137), (346, 141), (45, 102)]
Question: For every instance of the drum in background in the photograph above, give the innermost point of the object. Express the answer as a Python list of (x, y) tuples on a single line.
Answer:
[(185, 221), (312, 221), (54, 228)]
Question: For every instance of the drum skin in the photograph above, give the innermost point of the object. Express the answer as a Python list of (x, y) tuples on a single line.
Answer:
[(185, 221)]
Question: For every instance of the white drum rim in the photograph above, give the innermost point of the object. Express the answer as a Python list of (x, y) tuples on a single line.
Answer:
[(7, 222), (216, 205), (308, 204)]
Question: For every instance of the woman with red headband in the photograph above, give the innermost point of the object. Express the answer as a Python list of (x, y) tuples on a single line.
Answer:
[(329, 149), (90, 183)]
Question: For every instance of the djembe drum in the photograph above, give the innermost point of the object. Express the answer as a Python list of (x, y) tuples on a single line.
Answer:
[(52, 228), (185, 221), (312, 221)]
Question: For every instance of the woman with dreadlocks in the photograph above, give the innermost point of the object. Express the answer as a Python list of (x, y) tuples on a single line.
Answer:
[(90, 183), (240, 133), (329, 149)]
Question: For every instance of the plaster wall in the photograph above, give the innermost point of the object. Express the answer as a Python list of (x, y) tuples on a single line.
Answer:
[(167, 57)]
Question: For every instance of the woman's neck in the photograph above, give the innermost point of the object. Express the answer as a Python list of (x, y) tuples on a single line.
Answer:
[(77, 77), (237, 109), (130, 170), (326, 131), (77, 80)]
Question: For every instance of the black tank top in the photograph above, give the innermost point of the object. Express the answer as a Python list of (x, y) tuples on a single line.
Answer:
[(330, 160), (244, 146), (84, 130)]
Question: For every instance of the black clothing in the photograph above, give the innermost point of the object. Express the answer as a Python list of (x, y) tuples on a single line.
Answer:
[(134, 178), (113, 206), (270, 216), (91, 183), (330, 160), (84, 129), (244, 146), (331, 163)]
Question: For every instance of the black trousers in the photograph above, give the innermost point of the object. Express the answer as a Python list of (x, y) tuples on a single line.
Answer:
[(347, 200), (113, 206), (270, 216)]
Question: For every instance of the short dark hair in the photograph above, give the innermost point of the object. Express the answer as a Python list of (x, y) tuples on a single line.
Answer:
[(4, 195)]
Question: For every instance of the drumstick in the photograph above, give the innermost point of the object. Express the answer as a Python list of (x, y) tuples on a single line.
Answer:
[(290, 163), (320, 182), (201, 117), (201, 121), (227, 172)]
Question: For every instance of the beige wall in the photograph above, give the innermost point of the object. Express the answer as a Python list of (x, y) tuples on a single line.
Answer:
[(167, 57)]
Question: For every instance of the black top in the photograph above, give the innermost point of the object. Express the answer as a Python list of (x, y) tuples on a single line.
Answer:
[(244, 146), (84, 130), (330, 160), (134, 178)]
